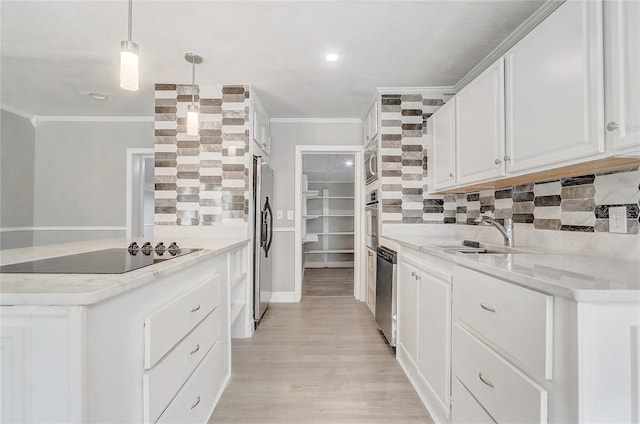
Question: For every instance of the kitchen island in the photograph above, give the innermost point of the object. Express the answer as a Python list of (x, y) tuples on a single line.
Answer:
[(149, 345)]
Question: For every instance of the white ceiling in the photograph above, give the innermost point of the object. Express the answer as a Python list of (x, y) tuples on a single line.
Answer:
[(55, 52), (334, 168)]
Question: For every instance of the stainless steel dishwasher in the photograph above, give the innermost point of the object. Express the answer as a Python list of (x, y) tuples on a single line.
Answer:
[(386, 293)]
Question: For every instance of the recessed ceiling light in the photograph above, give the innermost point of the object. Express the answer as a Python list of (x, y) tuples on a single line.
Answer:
[(331, 57), (98, 96)]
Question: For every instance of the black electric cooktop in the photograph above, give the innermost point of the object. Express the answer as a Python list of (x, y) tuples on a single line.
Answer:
[(106, 261)]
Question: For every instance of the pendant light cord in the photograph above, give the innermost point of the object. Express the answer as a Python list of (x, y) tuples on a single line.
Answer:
[(130, 17), (193, 83)]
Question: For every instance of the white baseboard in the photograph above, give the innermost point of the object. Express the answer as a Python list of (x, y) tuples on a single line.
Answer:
[(283, 297)]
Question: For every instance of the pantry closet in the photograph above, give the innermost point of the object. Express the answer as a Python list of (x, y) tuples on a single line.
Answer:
[(328, 207)]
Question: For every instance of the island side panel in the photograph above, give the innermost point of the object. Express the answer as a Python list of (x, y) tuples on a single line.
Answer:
[(43, 368)]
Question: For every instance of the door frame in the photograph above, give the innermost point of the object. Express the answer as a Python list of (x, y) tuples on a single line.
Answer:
[(359, 289), (133, 155)]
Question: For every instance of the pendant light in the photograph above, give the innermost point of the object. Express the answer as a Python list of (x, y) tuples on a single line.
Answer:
[(129, 60), (192, 110)]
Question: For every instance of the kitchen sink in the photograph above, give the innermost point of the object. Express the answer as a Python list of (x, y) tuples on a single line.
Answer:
[(469, 247)]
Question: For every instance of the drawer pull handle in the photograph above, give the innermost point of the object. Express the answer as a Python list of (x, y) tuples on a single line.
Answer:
[(195, 349), (487, 308), (196, 403), (484, 380), (196, 309)]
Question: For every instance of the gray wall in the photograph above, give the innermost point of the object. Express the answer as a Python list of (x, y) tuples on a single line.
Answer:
[(284, 138), (17, 153), (80, 176)]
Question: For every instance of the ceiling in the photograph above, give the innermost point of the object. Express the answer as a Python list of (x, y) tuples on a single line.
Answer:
[(55, 52), (334, 168)]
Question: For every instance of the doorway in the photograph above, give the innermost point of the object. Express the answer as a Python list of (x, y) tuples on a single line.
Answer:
[(328, 221), (328, 212), (140, 193)]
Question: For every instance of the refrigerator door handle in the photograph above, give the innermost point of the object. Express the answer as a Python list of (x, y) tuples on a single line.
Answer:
[(267, 244)]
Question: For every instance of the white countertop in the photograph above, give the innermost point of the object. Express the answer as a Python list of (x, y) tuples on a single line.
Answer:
[(86, 289), (583, 278)]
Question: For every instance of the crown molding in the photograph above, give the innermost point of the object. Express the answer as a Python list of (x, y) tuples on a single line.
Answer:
[(315, 121), (538, 16), (446, 89)]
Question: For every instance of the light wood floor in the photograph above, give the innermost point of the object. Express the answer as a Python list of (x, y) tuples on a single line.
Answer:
[(327, 282), (318, 361)]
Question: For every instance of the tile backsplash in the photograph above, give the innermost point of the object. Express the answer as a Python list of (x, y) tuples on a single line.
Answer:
[(569, 204), (404, 156), (201, 180)]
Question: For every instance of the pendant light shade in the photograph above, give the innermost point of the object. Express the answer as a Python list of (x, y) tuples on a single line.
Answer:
[(193, 112), (193, 120), (129, 65), (129, 60)]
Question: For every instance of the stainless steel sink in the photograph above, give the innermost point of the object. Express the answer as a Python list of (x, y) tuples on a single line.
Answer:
[(478, 248)]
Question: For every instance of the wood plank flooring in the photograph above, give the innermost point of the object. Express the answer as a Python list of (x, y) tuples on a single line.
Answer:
[(327, 282), (318, 361)]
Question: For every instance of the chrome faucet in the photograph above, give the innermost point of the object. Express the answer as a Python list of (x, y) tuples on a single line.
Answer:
[(506, 230)]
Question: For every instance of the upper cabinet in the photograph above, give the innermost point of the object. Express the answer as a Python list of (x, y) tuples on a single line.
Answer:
[(622, 71), (443, 130), (554, 90), (565, 94), (479, 127), (370, 124)]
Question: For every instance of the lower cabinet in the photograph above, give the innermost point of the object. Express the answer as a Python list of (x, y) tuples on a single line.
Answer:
[(481, 349), (371, 280), (424, 320)]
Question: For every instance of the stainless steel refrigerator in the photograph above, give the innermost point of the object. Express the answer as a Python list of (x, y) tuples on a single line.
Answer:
[(262, 236)]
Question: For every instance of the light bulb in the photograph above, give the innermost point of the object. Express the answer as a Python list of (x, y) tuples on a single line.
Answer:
[(129, 66), (192, 120)]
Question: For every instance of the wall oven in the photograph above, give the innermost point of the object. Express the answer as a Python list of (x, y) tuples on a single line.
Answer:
[(371, 211), (371, 163)]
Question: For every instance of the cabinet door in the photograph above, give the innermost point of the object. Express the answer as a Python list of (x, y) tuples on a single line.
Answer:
[(407, 309), (554, 90), (444, 146), (622, 61), (373, 121), (479, 124), (434, 333), (371, 280)]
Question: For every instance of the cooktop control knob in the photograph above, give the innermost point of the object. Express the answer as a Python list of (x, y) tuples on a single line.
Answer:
[(146, 248), (133, 248), (160, 248), (174, 248)]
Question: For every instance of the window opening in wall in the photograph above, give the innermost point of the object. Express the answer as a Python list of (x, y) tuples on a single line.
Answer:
[(328, 207)]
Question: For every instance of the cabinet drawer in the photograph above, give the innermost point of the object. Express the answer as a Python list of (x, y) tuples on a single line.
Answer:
[(165, 326), (162, 382), (518, 321), (195, 401), (506, 393), (464, 408)]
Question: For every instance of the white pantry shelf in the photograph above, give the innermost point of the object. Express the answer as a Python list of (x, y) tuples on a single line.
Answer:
[(314, 252)]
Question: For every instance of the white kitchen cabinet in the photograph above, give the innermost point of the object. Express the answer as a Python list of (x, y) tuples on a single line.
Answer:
[(371, 279), (479, 127), (554, 90), (424, 329), (370, 124), (407, 337), (443, 136), (622, 72)]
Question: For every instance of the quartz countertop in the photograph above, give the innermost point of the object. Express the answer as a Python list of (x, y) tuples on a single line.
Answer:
[(579, 277), (86, 289)]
